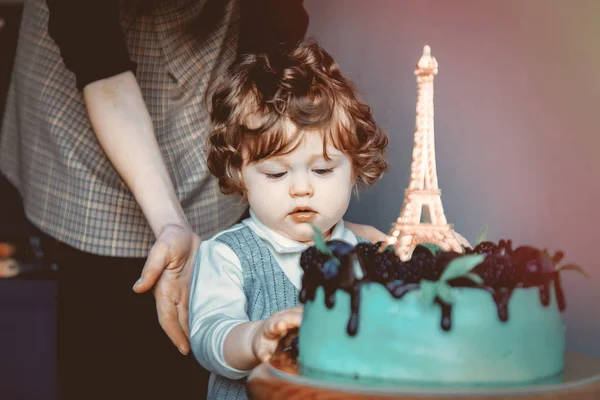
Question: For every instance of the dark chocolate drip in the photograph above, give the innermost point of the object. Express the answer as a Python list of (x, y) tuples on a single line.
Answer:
[(446, 322), (303, 296), (354, 306), (560, 294), (502, 298), (330, 296), (545, 293), (398, 289), (311, 280)]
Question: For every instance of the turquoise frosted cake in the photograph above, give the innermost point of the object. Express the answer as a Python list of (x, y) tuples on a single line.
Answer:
[(490, 316)]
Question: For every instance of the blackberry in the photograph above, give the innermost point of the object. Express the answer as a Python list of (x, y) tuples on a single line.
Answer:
[(443, 258), (468, 250), (420, 249), (342, 267), (524, 254), (538, 271), (432, 269), (312, 259), (487, 248), (410, 271), (366, 252), (490, 269), (384, 266), (510, 276), (505, 246)]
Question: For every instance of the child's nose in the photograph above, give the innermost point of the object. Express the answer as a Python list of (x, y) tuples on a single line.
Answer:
[(301, 187)]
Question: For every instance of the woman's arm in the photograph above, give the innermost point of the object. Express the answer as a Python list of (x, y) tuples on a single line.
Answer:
[(368, 232), (124, 129)]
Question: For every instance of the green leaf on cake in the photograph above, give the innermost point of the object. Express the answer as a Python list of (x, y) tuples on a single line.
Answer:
[(429, 290), (573, 267), (460, 266), (482, 235), (474, 277), (432, 247), (320, 242), (444, 292)]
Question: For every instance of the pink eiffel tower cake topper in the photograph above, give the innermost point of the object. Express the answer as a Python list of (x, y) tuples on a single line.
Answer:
[(422, 218)]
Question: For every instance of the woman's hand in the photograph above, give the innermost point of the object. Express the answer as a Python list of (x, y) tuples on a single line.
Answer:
[(168, 270)]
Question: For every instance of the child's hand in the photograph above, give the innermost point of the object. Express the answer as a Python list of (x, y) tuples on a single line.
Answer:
[(268, 334)]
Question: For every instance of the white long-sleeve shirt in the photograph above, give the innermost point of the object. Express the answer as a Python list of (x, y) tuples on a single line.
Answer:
[(217, 300)]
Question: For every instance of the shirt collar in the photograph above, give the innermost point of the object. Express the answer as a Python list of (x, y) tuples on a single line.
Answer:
[(283, 244)]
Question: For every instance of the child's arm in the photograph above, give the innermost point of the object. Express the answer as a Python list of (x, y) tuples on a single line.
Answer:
[(217, 305), (253, 342), (368, 232), (222, 338)]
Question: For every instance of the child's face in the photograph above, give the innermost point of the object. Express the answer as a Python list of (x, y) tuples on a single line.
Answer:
[(288, 192)]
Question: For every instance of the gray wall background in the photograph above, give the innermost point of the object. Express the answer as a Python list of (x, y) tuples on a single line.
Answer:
[(517, 119)]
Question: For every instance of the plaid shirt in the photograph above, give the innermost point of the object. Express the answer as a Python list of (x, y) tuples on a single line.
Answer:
[(48, 149)]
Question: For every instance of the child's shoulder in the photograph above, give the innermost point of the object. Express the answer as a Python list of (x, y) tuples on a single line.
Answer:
[(218, 247), (236, 237), (227, 232)]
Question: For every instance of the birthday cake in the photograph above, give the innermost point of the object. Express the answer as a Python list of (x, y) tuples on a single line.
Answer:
[(488, 316), (425, 307)]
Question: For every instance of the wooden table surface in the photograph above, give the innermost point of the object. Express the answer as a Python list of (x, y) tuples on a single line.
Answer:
[(280, 381)]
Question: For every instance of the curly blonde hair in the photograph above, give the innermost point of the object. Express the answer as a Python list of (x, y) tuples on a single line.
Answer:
[(261, 97)]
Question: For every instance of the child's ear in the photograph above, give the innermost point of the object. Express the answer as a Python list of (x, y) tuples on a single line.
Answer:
[(241, 184), (355, 182), (355, 177)]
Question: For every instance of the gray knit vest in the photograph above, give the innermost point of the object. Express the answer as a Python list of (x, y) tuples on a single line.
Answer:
[(267, 290)]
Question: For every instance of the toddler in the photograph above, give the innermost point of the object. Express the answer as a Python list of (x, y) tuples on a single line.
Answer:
[(291, 137)]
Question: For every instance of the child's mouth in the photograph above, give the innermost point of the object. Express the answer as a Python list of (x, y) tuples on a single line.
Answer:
[(303, 214)]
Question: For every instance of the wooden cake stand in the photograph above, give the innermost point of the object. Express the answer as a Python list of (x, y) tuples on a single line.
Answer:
[(280, 380)]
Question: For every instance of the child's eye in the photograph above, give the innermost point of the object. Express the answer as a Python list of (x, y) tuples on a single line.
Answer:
[(276, 175), (323, 171)]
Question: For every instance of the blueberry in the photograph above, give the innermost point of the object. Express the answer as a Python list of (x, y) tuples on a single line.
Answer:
[(340, 248), (330, 269)]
